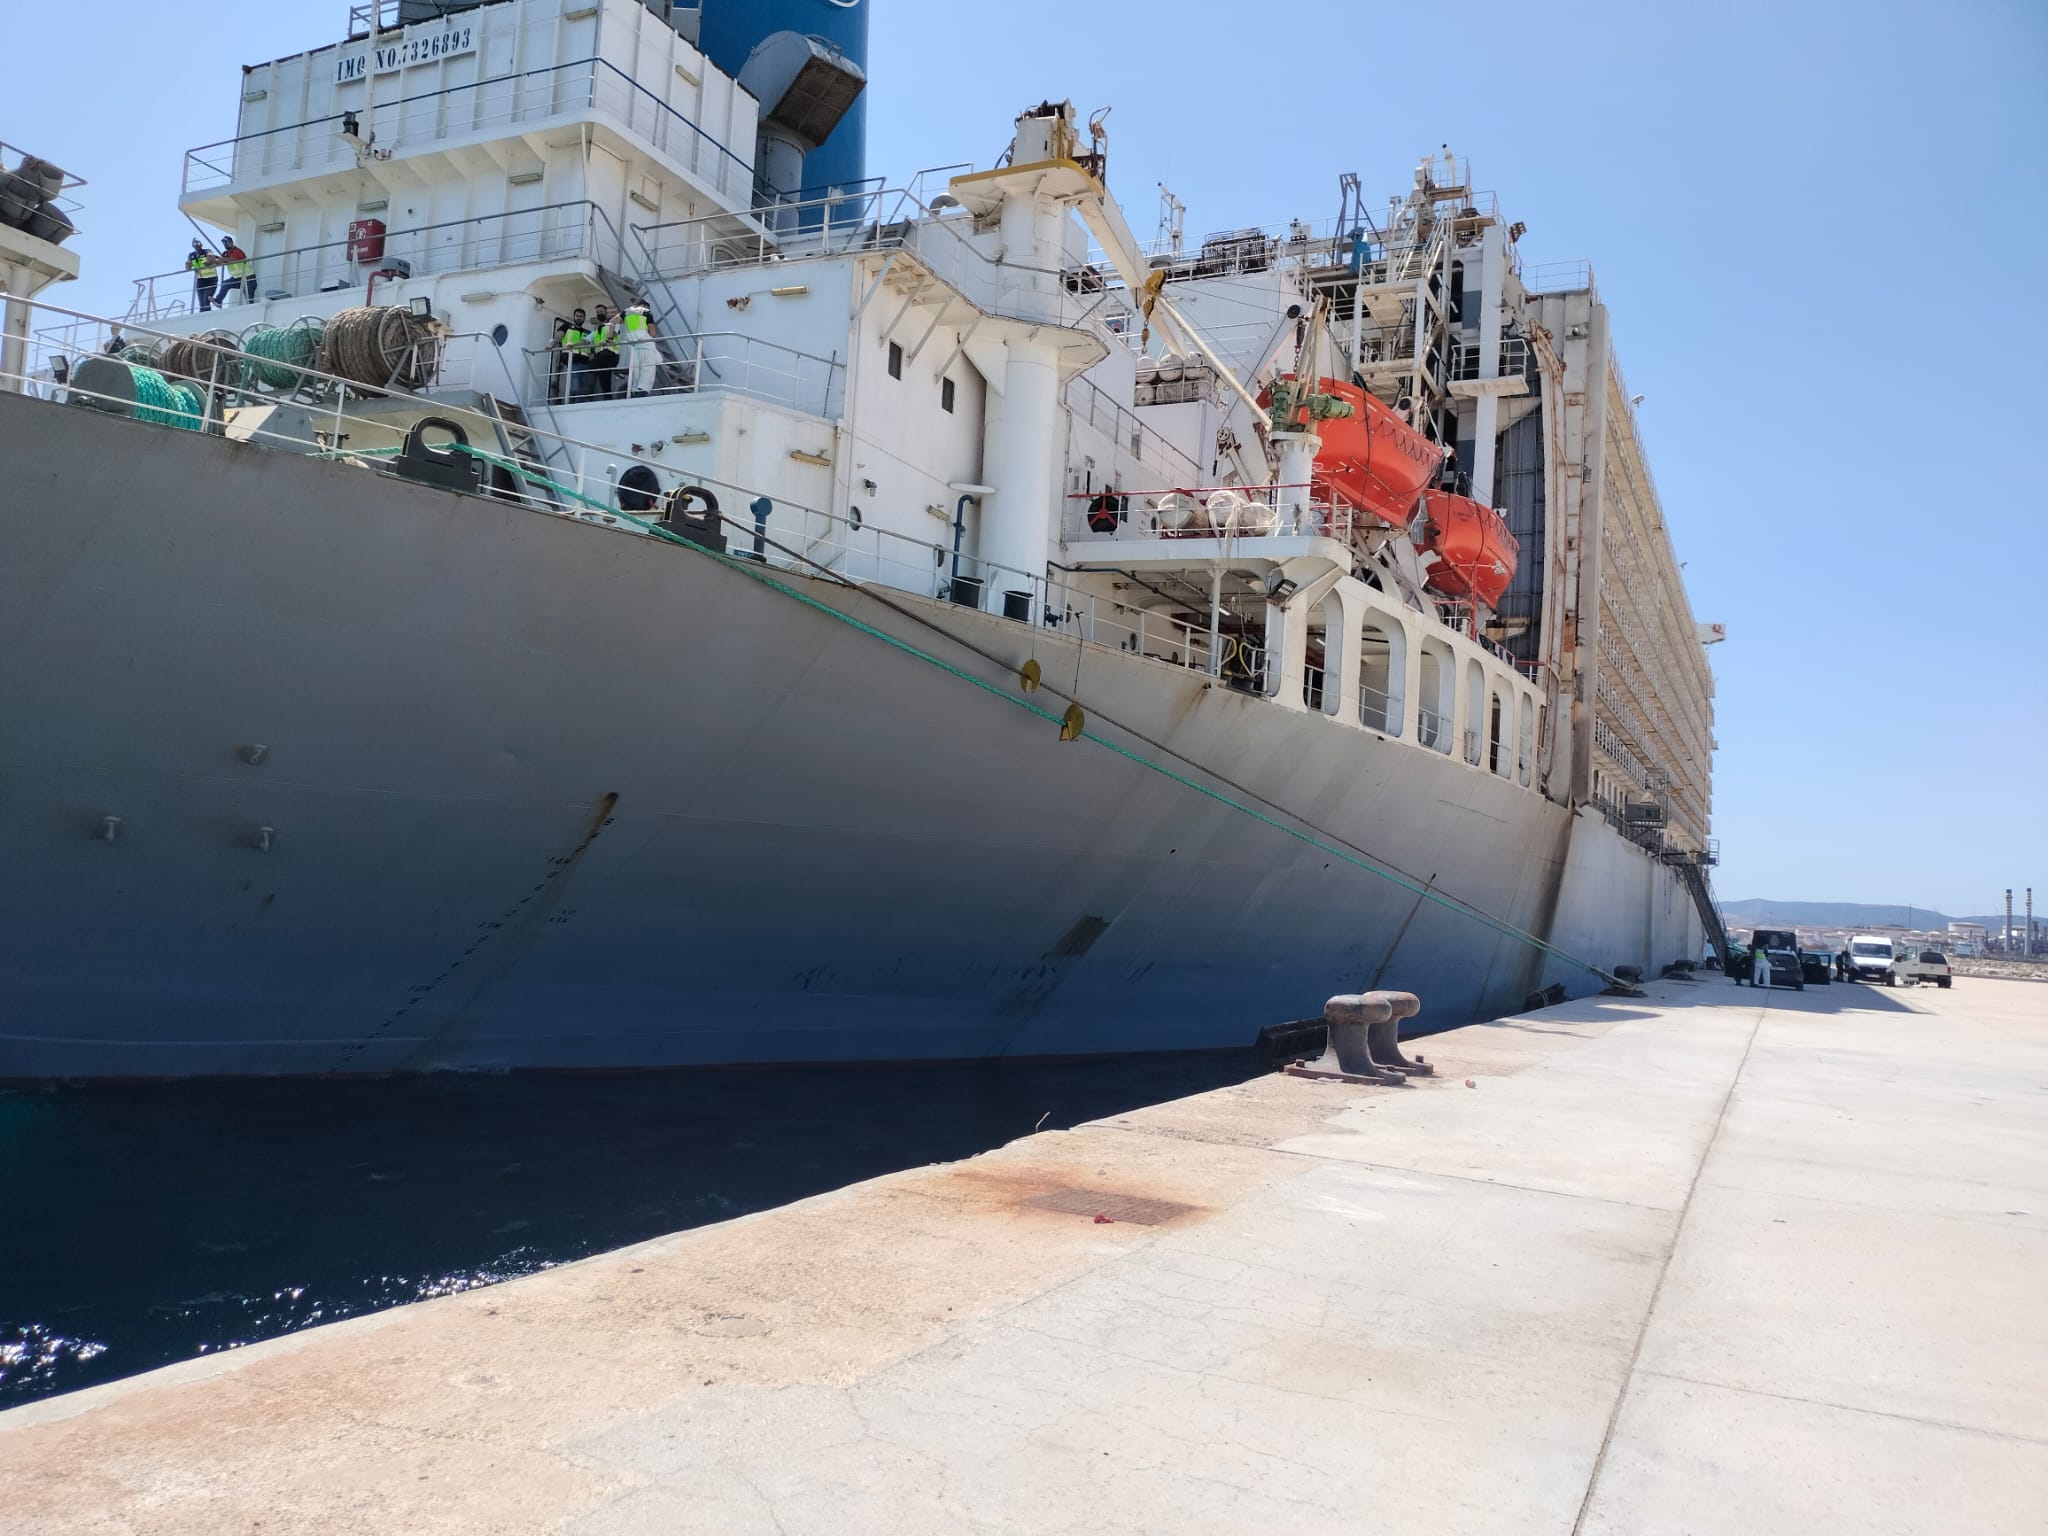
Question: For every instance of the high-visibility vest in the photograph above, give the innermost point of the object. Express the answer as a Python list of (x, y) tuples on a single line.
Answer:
[(636, 323), (576, 341), (201, 262), (238, 268)]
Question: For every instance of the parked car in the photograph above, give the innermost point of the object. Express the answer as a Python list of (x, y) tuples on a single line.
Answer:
[(1915, 966), (1870, 958), (1817, 965), (1781, 949), (1782, 970)]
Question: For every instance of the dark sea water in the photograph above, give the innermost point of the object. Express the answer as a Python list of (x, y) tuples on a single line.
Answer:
[(142, 1225)]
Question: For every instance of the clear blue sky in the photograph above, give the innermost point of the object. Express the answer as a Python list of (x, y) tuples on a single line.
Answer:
[(1820, 229)]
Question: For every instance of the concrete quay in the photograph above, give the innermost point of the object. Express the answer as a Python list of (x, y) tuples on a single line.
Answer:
[(1716, 1260)]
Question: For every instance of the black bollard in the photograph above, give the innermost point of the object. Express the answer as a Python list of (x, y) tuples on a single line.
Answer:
[(1347, 1055), (1383, 1038)]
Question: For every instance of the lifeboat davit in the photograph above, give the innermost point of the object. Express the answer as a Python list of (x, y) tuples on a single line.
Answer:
[(1471, 552), (1372, 459)]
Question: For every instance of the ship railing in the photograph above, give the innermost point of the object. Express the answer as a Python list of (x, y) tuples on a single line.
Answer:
[(449, 361), (1249, 513), (928, 183), (1063, 296), (830, 224), (1092, 405), (807, 539), (491, 240), (1559, 277), (1228, 252), (366, 18), (1378, 710), (1432, 730), (582, 479), (1516, 359), (410, 123), (703, 363), (833, 225)]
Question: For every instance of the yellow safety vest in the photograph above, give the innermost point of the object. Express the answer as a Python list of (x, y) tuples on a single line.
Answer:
[(635, 323), (574, 340)]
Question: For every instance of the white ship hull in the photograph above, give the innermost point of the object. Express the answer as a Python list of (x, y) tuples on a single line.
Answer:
[(542, 795)]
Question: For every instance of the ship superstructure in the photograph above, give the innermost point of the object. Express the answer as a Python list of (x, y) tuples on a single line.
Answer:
[(958, 626)]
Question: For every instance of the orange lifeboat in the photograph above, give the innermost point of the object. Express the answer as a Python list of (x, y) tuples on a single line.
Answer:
[(1371, 459), (1472, 554)]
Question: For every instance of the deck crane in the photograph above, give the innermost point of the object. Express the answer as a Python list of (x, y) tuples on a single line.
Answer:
[(1079, 176)]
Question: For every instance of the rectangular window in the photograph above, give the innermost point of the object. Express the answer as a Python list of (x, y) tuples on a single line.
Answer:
[(945, 394), (895, 361)]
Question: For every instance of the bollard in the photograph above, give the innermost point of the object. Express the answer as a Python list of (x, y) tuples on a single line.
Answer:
[(1347, 1056), (1383, 1037), (1625, 979), (1363, 1040)]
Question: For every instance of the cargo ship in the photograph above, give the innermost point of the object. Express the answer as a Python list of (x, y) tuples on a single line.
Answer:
[(577, 577)]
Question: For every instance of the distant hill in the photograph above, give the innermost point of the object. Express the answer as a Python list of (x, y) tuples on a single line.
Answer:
[(1833, 914), (1856, 914)]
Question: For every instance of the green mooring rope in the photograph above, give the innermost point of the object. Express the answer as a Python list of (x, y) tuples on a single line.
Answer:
[(753, 571), (277, 355), (165, 404)]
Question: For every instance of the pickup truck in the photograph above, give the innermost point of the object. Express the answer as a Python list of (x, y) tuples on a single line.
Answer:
[(1915, 966)]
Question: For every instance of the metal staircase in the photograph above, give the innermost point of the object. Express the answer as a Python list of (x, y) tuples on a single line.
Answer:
[(1693, 871), (516, 437), (673, 334)]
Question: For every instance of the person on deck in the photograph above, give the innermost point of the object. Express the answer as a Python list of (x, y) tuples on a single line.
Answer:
[(604, 355), (558, 365), (200, 264), (236, 272), (576, 342), (640, 358)]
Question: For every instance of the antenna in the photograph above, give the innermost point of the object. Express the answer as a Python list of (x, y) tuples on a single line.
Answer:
[(1172, 218)]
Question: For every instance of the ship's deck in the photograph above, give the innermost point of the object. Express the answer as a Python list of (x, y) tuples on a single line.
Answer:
[(1715, 1260)]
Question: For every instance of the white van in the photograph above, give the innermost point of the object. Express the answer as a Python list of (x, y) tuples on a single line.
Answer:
[(1870, 958)]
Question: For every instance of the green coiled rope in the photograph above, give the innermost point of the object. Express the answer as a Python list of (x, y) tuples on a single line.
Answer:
[(278, 355), (165, 404)]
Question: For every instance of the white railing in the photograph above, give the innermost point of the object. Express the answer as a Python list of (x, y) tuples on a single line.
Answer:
[(829, 225), (1558, 277), (1232, 513), (408, 124), (460, 245), (1432, 730), (887, 220), (1091, 404), (1379, 710), (702, 363)]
